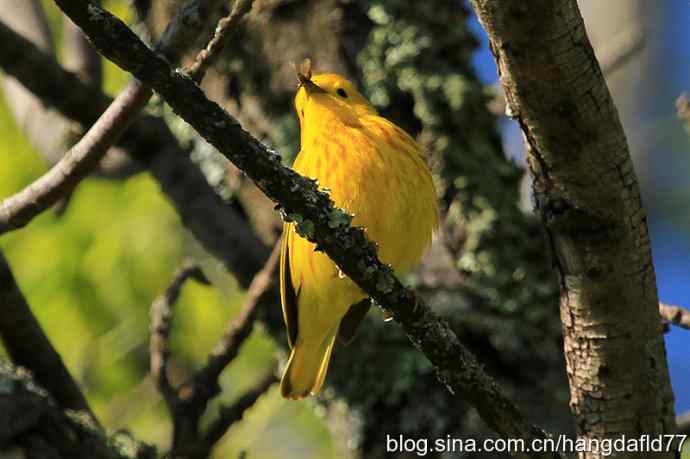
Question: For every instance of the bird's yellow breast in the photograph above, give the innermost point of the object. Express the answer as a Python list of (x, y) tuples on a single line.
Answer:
[(377, 173)]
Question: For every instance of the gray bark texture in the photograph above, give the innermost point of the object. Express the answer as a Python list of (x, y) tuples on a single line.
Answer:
[(588, 197)]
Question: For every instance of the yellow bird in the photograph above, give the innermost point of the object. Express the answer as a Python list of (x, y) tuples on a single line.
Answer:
[(378, 173)]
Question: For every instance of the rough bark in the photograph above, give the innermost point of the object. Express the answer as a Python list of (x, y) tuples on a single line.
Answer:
[(587, 195), (611, 26), (313, 212)]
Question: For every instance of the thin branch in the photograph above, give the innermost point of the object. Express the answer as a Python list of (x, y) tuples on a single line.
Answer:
[(240, 328), (228, 415), (28, 346), (187, 409), (210, 53), (19, 209), (317, 218), (161, 321), (50, 133), (676, 315), (217, 226), (185, 29), (83, 158)]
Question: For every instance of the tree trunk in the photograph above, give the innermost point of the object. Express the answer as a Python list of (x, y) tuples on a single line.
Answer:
[(587, 194)]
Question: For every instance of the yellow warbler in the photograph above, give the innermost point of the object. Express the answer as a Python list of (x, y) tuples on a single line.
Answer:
[(378, 173)]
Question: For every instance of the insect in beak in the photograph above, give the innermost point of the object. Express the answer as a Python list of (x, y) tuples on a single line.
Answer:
[(304, 77)]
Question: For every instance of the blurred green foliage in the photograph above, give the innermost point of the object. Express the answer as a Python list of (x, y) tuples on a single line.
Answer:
[(90, 276)]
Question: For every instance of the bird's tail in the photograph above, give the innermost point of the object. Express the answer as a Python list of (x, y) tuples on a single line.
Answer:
[(306, 369)]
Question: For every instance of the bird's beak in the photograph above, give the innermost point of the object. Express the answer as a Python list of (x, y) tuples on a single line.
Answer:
[(304, 77), (308, 85)]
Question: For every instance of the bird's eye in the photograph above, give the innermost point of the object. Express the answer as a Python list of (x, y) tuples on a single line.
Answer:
[(341, 92)]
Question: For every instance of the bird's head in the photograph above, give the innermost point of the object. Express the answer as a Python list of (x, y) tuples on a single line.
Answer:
[(328, 93)]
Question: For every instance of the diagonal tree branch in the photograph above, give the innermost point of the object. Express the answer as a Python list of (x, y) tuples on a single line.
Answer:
[(18, 210), (587, 194), (210, 53), (219, 227), (84, 157), (28, 346), (316, 218), (50, 133)]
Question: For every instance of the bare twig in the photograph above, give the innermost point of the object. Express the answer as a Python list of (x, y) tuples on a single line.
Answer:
[(228, 415), (161, 321), (28, 346), (675, 315), (206, 56), (185, 29), (18, 210), (49, 132), (240, 328), (319, 221), (187, 409)]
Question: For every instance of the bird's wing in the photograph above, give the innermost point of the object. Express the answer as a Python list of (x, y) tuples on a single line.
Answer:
[(288, 294), (352, 319)]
